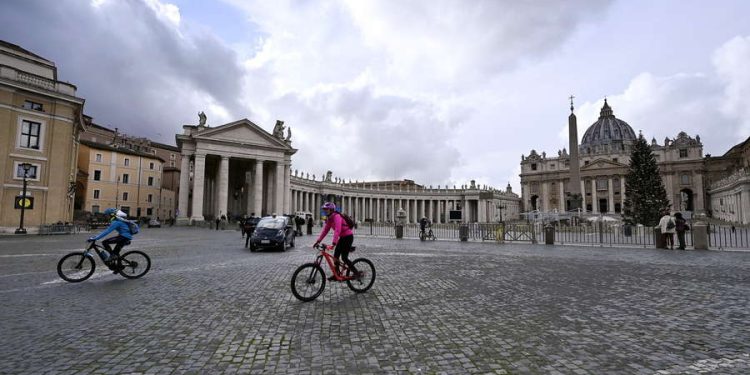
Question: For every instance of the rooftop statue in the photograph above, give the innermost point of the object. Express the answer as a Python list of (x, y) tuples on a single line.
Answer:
[(201, 119), (278, 130)]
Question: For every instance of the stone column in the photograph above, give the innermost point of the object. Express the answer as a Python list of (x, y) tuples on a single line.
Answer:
[(544, 206), (430, 212), (199, 179), (594, 203), (611, 197), (583, 197), (287, 193), (561, 206), (183, 203), (622, 194), (258, 189), (223, 185)]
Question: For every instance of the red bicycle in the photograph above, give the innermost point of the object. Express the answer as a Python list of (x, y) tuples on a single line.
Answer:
[(309, 280)]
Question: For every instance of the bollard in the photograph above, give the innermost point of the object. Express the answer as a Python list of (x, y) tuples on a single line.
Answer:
[(659, 242), (549, 235), (700, 236), (399, 231), (463, 232)]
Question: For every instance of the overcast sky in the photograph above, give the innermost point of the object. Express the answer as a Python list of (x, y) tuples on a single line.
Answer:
[(441, 92)]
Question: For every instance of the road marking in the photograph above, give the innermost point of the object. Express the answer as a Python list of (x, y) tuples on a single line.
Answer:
[(24, 255)]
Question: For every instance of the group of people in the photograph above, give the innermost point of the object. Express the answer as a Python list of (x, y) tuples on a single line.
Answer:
[(670, 225)]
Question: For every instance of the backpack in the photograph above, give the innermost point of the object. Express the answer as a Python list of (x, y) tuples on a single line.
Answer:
[(134, 228), (348, 220), (670, 224)]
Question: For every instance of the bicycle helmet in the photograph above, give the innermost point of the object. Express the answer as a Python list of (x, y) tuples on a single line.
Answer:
[(110, 211), (329, 206)]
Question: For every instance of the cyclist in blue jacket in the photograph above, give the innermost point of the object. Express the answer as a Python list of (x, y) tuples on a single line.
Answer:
[(118, 223)]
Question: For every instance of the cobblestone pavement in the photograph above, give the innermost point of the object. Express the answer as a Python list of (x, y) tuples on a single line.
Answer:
[(210, 306)]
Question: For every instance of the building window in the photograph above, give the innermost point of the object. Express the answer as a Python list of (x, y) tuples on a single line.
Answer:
[(34, 106), (125, 209), (149, 211), (96, 194), (533, 166), (30, 175), (150, 198), (552, 166), (127, 162), (614, 160), (171, 163), (150, 181), (586, 162), (30, 132), (97, 175), (125, 178), (683, 153), (171, 156), (125, 195), (99, 158), (95, 208), (685, 179), (602, 185), (151, 166)]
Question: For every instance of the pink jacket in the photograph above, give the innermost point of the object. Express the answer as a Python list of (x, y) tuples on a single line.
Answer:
[(340, 229)]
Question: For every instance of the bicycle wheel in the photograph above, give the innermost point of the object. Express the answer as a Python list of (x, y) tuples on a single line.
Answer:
[(133, 264), (366, 278), (421, 236), (308, 282), (75, 267)]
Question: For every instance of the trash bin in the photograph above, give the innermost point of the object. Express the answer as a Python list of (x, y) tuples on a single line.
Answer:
[(549, 235), (659, 242), (463, 232), (399, 231)]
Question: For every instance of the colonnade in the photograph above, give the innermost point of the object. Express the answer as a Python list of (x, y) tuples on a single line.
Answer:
[(259, 184)]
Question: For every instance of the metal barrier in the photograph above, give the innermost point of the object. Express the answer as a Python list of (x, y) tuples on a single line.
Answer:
[(58, 229), (728, 237)]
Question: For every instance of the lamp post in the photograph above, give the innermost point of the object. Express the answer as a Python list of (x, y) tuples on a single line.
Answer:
[(26, 167)]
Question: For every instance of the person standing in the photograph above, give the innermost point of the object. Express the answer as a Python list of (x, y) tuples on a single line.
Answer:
[(667, 226), (309, 225), (680, 226)]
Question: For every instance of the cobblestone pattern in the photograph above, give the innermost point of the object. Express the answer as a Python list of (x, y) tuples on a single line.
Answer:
[(210, 306)]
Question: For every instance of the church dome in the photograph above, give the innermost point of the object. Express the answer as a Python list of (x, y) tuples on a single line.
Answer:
[(607, 133)]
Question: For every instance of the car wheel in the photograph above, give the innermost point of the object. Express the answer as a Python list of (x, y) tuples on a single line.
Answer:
[(252, 248)]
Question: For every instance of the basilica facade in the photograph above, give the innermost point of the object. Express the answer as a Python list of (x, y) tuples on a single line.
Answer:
[(603, 157)]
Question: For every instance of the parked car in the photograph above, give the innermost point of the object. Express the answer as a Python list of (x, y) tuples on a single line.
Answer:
[(153, 223), (273, 233)]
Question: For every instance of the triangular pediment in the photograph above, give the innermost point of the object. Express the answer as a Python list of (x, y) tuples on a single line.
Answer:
[(602, 164), (242, 132)]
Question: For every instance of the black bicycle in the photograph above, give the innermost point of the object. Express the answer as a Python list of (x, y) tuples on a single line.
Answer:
[(427, 234), (80, 265)]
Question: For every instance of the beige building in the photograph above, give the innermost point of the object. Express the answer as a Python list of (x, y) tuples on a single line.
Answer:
[(170, 155), (604, 157), (40, 121), (123, 178)]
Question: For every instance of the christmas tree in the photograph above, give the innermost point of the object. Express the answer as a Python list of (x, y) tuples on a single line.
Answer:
[(645, 196)]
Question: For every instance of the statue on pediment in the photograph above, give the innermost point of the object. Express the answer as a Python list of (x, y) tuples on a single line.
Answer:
[(288, 135), (278, 130), (201, 119)]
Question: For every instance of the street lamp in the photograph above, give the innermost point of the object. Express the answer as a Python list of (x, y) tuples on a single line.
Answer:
[(26, 167)]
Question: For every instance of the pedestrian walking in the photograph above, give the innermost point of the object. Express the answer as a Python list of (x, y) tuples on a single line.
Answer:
[(218, 220), (298, 221), (309, 225), (680, 226)]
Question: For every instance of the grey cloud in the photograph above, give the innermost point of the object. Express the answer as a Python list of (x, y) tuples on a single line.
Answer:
[(135, 72)]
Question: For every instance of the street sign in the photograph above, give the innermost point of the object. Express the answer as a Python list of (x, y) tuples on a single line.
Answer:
[(27, 202)]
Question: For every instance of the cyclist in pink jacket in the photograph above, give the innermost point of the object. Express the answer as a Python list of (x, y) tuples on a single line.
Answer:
[(343, 236)]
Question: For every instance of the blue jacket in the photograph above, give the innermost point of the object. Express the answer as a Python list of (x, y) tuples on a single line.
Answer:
[(120, 226)]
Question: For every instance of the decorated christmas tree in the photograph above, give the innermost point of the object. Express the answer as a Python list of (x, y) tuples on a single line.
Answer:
[(645, 196)]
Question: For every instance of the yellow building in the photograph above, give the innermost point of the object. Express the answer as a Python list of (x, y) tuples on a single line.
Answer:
[(40, 120), (124, 178)]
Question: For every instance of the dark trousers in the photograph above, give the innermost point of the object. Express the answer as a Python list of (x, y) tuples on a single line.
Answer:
[(309, 229), (119, 242), (681, 239), (342, 250)]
